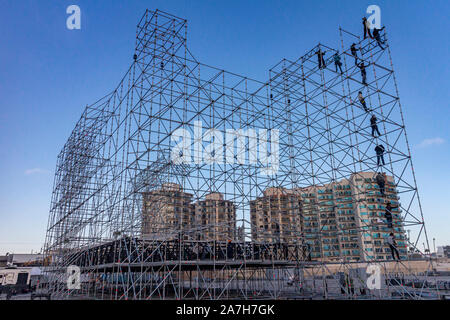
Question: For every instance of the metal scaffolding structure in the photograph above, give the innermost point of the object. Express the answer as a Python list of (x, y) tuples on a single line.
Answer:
[(146, 210)]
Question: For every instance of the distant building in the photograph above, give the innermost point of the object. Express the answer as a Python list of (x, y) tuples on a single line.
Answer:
[(276, 216), (3, 261), (345, 220), (341, 221), (215, 218), (170, 210), (166, 212), (443, 252), (22, 260)]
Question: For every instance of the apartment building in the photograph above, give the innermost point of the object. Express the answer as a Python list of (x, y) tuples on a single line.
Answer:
[(167, 211), (341, 221), (345, 221), (215, 218), (276, 216), (329, 222), (370, 211)]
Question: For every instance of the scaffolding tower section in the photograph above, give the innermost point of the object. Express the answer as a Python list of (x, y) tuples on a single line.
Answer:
[(191, 182)]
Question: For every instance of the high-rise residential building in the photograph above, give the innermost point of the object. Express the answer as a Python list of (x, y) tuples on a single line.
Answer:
[(320, 224), (371, 217), (215, 218), (166, 211), (346, 220), (276, 216)]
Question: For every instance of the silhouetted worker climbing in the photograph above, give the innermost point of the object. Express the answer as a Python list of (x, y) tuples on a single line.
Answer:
[(337, 62), (376, 35), (366, 26), (373, 124), (381, 182), (354, 53), (320, 59), (388, 214), (362, 101), (379, 149), (393, 245), (362, 67)]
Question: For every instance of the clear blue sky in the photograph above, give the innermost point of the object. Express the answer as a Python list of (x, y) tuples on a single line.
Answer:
[(48, 74)]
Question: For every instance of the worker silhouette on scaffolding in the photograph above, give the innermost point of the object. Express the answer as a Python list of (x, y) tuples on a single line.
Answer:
[(366, 26), (381, 183), (230, 250), (362, 101), (307, 251), (337, 62), (388, 214), (354, 53), (376, 35), (373, 124), (363, 67), (379, 149), (393, 246), (320, 59)]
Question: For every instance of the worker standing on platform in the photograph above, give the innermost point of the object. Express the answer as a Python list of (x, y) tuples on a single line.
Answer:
[(362, 101), (373, 124), (354, 53), (381, 182), (320, 59), (379, 149), (196, 251), (376, 35), (366, 25), (230, 250), (362, 67), (207, 252), (337, 62), (393, 245)]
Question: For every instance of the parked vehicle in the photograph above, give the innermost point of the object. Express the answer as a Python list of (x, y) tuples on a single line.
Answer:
[(14, 280)]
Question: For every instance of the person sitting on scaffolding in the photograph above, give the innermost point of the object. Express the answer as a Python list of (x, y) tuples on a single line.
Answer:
[(366, 26), (393, 246), (376, 35), (363, 67), (362, 101), (379, 149), (381, 182), (388, 214), (337, 61), (320, 58), (374, 126), (354, 53)]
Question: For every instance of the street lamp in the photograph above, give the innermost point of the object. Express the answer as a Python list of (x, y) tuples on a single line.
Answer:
[(434, 247)]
